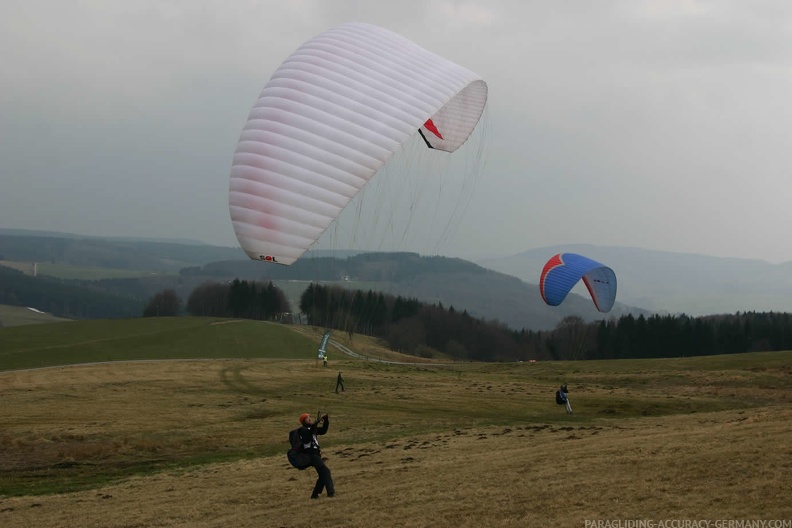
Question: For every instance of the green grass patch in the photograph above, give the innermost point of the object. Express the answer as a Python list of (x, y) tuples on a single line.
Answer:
[(21, 315), (148, 338), (69, 272)]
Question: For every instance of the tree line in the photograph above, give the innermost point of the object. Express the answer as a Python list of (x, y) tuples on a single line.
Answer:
[(409, 326), (64, 298), (239, 298)]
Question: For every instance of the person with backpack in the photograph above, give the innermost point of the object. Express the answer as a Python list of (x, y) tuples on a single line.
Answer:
[(308, 432), (563, 399)]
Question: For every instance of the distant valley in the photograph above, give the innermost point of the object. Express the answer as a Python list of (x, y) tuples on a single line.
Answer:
[(503, 289), (667, 282)]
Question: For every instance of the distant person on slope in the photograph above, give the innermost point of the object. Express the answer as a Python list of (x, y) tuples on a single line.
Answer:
[(563, 399), (339, 382), (308, 433)]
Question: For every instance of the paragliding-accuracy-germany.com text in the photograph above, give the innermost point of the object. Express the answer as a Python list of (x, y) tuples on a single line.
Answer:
[(688, 523)]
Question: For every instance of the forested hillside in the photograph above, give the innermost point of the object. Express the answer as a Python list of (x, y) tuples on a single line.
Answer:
[(65, 298), (483, 293), (106, 253), (409, 326)]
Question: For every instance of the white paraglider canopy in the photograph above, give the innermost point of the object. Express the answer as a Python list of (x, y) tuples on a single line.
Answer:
[(328, 120)]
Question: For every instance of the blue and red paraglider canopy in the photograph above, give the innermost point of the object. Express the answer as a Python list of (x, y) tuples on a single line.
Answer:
[(564, 270)]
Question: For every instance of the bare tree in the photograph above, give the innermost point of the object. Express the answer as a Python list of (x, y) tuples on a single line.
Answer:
[(406, 335), (164, 304), (570, 336), (209, 299)]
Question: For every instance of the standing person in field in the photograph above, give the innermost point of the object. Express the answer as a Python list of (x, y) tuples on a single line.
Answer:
[(563, 399), (324, 359), (339, 382), (308, 433)]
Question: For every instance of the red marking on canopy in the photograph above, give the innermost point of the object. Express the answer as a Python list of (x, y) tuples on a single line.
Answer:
[(553, 263), (430, 126)]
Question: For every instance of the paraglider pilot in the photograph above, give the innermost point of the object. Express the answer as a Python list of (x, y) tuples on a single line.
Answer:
[(561, 397), (308, 433)]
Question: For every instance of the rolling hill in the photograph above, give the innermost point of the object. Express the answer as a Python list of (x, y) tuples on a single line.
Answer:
[(669, 282), (502, 289), (483, 293)]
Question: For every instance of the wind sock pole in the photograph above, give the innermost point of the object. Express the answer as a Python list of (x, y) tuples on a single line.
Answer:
[(322, 348)]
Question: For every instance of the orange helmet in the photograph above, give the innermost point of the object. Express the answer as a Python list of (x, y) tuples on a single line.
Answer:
[(303, 417)]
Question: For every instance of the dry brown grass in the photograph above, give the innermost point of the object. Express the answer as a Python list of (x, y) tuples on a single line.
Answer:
[(410, 447)]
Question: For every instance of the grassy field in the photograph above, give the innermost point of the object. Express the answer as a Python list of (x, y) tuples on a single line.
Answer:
[(198, 440), (67, 271), (148, 338), (20, 315)]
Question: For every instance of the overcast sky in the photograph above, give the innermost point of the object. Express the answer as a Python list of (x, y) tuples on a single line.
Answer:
[(655, 124)]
